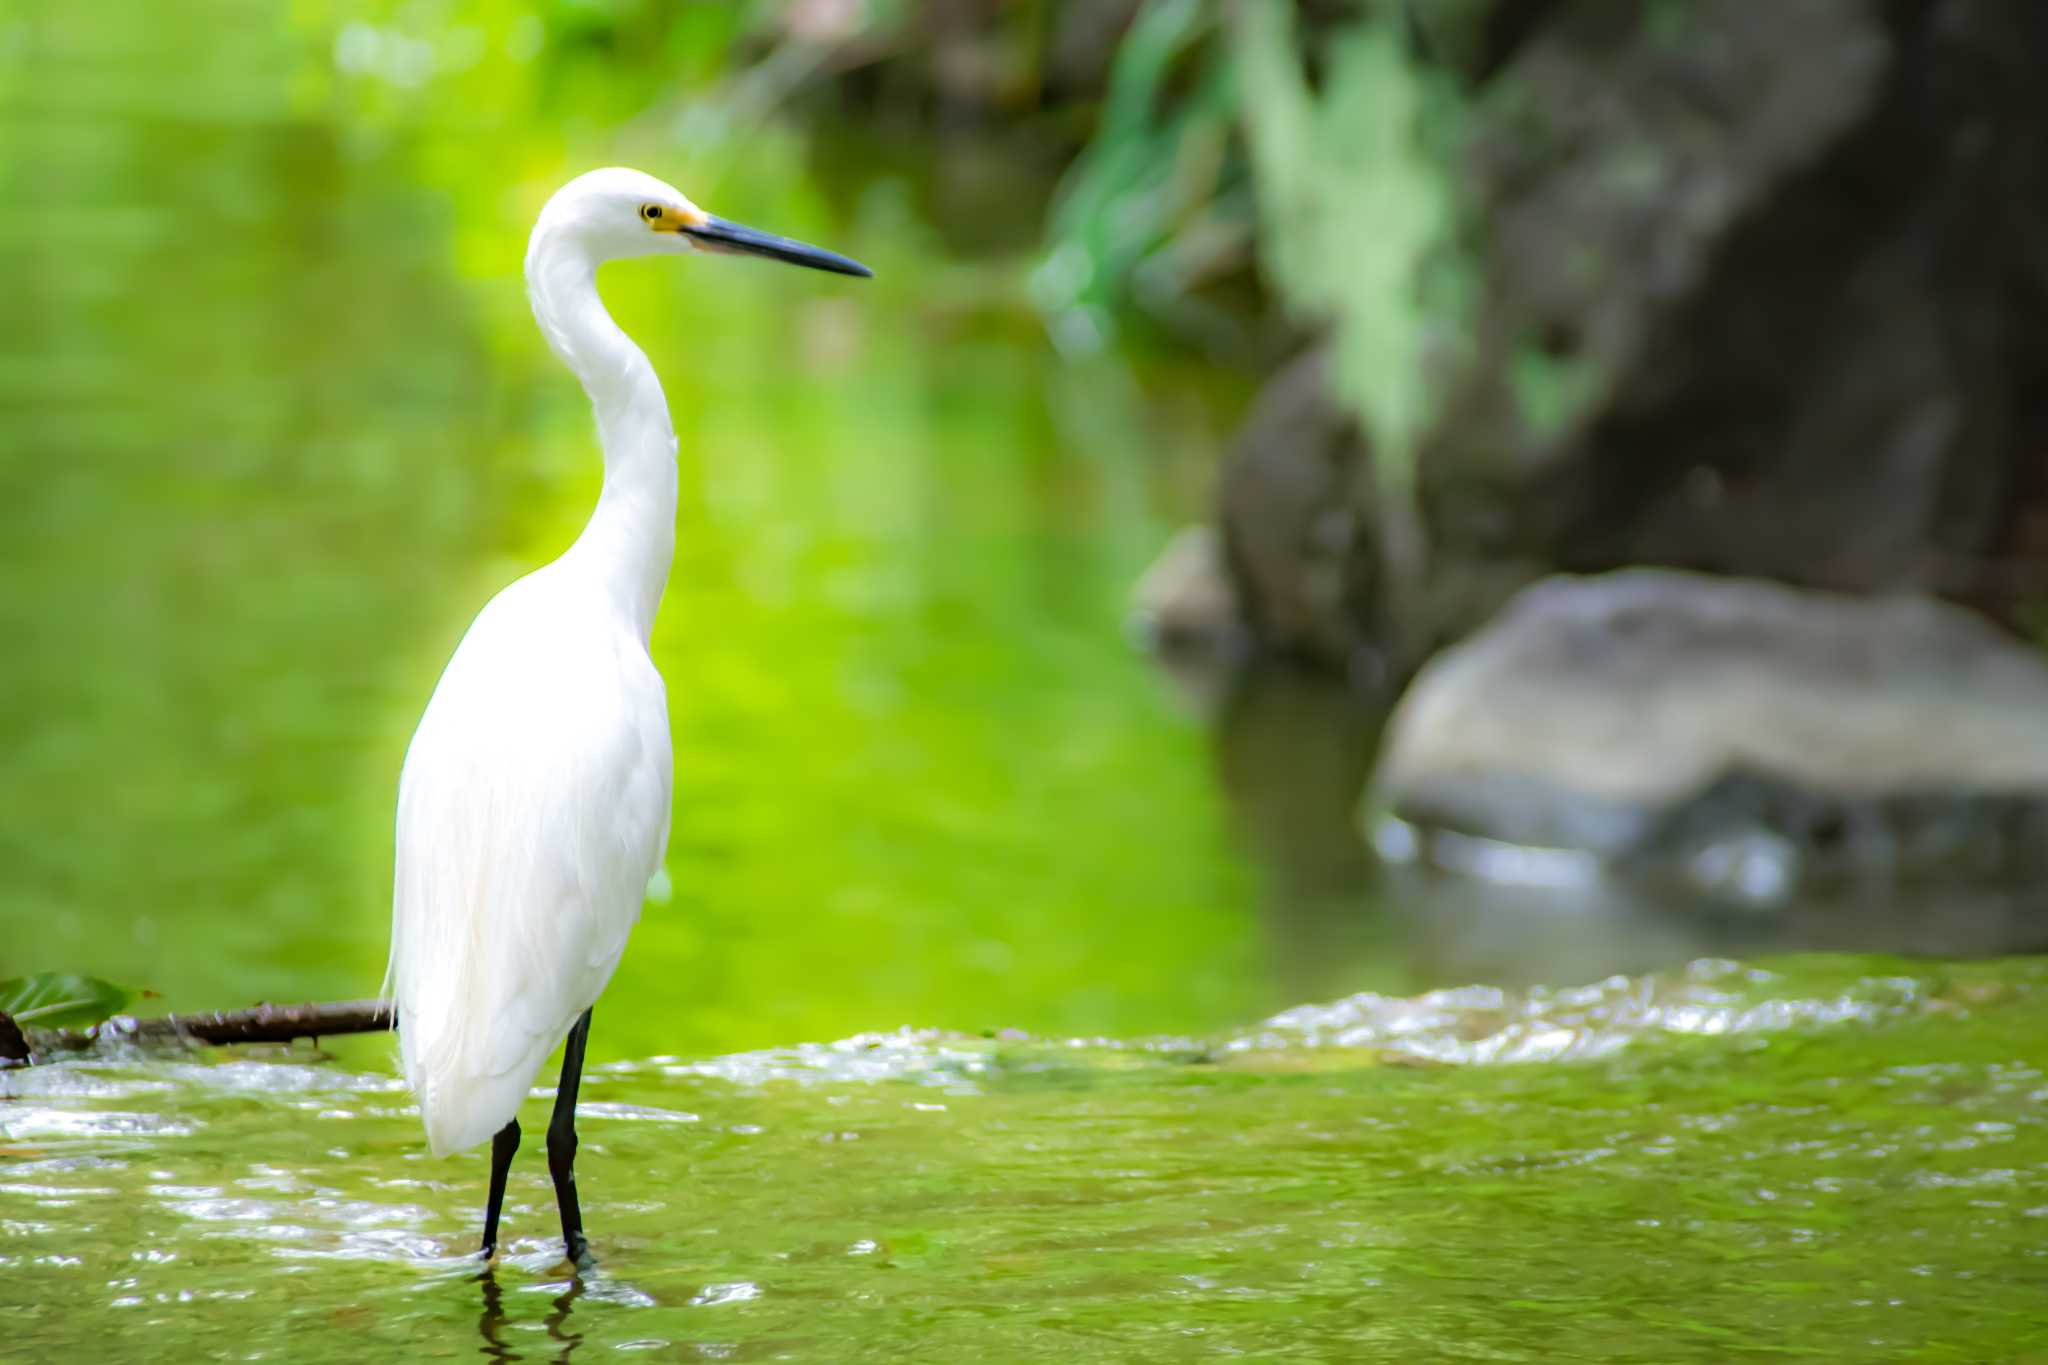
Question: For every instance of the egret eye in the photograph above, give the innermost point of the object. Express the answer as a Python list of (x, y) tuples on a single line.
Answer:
[(650, 212)]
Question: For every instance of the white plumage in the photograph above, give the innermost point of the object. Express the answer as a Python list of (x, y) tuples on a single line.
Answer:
[(532, 812), (534, 804)]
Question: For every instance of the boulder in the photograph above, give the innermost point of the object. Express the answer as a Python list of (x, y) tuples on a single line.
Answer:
[(1757, 289), (1295, 505), (1748, 740), (1185, 602)]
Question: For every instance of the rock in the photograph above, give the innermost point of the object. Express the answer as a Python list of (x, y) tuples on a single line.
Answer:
[(1185, 602), (1295, 505), (1743, 739), (1758, 289), (1758, 301)]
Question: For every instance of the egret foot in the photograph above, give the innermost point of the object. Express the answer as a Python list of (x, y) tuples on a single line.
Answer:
[(576, 1265)]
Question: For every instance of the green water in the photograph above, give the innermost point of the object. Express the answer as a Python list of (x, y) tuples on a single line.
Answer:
[(1840, 1162), (274, 421)]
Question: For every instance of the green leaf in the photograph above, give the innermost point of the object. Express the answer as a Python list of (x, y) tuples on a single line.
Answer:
[(60, 1000), (1359, 211)]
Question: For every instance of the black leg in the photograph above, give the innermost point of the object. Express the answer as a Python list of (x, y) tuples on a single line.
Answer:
[(562, 1143), (502, 1148)]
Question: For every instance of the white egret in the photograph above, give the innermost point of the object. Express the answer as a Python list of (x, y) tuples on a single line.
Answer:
[(534, 804)]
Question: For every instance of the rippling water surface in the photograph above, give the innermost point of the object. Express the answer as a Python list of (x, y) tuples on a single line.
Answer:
[(1842, 1160)]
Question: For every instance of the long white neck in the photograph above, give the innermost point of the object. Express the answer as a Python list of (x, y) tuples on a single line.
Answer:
[(630, 541)]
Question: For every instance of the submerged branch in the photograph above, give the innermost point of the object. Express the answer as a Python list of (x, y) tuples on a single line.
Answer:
[(259, 1024)]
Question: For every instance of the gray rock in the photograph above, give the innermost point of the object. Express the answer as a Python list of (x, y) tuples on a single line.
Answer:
[(1743, 739), (1185, 601), (1758, 289)]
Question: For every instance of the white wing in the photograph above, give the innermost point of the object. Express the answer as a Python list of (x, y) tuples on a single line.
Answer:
[(532, 811)]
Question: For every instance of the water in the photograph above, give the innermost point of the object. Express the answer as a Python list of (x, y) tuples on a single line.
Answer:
[(273, 422), (1841, 1161)]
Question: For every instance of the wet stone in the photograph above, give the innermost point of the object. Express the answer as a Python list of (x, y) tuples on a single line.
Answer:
[(1745, 741)]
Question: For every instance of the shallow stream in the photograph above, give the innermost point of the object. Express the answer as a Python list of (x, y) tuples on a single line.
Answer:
[(1840, 1160)]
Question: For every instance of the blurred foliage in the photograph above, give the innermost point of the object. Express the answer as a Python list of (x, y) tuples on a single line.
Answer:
[(1216, 140), (1156, 202), (1358, 216)]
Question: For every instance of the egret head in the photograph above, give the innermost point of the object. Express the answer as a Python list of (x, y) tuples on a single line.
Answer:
[(617, 212)]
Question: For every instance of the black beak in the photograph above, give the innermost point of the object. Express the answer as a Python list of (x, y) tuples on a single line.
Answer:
[(716, 234)]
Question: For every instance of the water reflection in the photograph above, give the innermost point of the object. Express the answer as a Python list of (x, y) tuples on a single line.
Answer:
[(491, 1323), (1294, 754), (1292, 751)]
